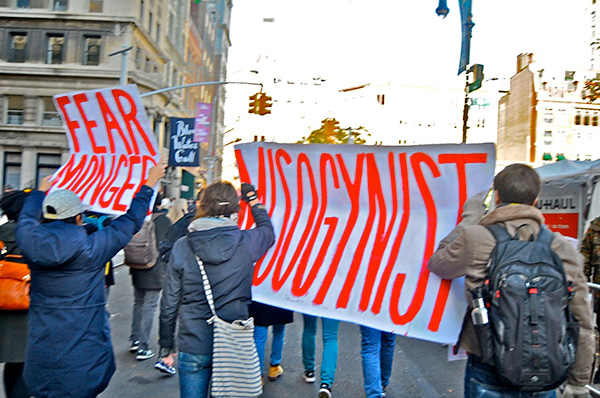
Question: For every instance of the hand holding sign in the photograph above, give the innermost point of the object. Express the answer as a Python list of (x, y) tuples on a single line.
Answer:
[(156, 173)]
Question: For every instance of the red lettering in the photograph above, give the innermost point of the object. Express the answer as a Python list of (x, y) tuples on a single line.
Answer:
[(415, 160), (92, 175), (299, 289), (375, 194), (353, 189), (278, 281), (102, 182), (385, 277), (89, 124), (383, 237), (106, 203), (273, 186), (111, 123), (461, 160), (131, 118), (72, 125), (244, 177), (145, 160), (71, 173), (117, 205), (258, 279)]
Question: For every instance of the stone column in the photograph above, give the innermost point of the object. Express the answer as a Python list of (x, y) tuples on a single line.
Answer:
[(28, 168)]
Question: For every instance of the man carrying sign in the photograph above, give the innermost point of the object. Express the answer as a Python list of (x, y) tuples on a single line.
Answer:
[(69, 351)]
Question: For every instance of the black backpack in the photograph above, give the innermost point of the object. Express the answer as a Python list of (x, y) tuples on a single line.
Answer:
[(532, 333)]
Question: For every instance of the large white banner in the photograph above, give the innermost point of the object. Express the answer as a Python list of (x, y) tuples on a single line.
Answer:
[(112, 147), (355, 226)]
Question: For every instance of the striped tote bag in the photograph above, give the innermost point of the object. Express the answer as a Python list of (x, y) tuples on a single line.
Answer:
[(235, 365)]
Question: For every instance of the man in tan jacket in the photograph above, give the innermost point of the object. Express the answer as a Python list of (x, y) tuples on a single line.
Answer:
[(466, 252)]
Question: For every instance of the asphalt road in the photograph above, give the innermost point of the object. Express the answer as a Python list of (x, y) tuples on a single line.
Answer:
[(420, 368)]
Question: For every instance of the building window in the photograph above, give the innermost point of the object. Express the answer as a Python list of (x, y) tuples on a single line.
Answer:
[(91, 50), (548, 116), (157, 32), (50, 116), (96, 5), (150, 22), (138, 58), (148, 66), (14, 114), (578, 118), (47, 164), (60, 5), (4, 3), (18, 47), (142, 11), (12, 170), (595, 119), (586, 119), (54, 51), (32, 3)]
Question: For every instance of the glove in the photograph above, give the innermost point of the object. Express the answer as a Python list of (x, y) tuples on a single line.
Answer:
[(248, 192), (473, 209), (572, 391)]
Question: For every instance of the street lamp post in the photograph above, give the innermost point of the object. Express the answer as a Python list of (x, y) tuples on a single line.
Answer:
[(123, 52)]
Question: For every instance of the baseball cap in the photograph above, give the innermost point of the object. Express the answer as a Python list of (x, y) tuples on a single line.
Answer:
[(62, 204)]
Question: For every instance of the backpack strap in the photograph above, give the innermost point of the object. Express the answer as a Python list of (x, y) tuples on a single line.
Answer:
[(545, 236), (500, 233)]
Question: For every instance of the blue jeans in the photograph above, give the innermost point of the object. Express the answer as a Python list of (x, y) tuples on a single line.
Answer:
[(195, 371), (481, 381), (260, 339), (377, 352), (144, 308), (330, 346)]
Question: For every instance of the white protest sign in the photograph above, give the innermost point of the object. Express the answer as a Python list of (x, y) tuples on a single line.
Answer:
[(355, 226), (112, 147)]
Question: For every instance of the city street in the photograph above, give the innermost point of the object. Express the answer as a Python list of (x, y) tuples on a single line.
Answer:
[(420, 368)]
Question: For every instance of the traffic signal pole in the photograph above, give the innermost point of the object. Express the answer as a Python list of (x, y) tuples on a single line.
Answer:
[(162, 90)]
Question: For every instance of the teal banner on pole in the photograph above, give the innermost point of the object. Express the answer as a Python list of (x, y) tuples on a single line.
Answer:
[(467, 26)]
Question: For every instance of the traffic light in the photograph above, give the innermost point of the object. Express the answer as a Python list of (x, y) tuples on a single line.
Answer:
[(264, 104), (253, 103), (475, 77)]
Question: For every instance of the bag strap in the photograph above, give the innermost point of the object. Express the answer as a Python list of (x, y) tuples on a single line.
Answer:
[(205, 281), (499, 232), (545, 236)]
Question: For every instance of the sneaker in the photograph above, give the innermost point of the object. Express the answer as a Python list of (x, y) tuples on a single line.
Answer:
[(309, 376), (383, 394), (324, 391), (144, 354), (275, 372), (135, 346), (164, 368)]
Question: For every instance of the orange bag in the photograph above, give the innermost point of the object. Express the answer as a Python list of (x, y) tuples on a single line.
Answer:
[(15, 278)]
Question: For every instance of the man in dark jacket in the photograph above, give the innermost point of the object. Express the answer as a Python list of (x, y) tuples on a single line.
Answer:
[(69, 351)]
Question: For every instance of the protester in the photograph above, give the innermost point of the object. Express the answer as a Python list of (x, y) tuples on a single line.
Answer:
[(265, 316), (330, 352), (590, 248), (69, 350), (13, 324), (377, 352), (178, 209), (147, 285), (466, 251), (228, 255)]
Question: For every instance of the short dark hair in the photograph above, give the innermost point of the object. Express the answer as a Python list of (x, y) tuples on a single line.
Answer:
[(218, 199), (518, 183), (69, 220)]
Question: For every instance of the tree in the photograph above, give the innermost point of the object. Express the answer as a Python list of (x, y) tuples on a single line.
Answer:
[(331, 133), (591, 90)]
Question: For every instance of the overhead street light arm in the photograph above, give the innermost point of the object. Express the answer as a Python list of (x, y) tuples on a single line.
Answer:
[(162, 90)]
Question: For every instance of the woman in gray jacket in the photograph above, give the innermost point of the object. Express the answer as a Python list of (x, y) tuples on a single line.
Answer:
[(229, 255)]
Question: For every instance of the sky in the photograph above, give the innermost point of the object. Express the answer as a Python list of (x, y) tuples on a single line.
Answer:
[(352, 42)]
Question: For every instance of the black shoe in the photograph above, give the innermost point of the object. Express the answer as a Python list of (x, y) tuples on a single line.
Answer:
[(135, 346), (325, 391), (309, 376)]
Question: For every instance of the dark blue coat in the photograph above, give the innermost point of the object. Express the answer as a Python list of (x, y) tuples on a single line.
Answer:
[(69, 350)]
